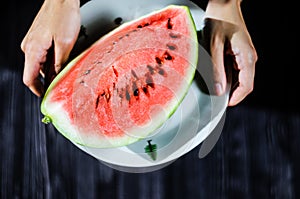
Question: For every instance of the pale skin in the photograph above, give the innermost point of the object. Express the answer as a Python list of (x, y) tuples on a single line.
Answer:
[(58, 23), (241, 47)]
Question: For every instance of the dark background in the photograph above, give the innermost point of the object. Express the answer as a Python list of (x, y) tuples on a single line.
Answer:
[(257, 155)]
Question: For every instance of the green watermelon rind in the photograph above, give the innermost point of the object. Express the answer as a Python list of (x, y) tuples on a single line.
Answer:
[(48, 118), (193, 62)]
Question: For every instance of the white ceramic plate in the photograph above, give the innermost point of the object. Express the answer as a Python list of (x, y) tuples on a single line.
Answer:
[(193, 121)]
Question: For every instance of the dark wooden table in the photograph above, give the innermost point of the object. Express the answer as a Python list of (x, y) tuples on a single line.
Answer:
[(257, 155)]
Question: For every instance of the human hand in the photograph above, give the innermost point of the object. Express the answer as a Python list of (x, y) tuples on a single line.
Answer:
[(56, 26), (227, 35)]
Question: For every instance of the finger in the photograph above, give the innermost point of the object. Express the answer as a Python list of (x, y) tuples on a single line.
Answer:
[(219, 76), (62, 49), (245, 87), (31, 75), (246, 65)]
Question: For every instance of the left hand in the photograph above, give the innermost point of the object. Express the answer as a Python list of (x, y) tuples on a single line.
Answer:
[(56, 26)]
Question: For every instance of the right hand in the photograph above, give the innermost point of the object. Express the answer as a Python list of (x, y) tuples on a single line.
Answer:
[(226, 24), (56, 25)]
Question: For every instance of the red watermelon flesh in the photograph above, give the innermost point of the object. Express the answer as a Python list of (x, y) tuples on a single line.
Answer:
[(128, 83)]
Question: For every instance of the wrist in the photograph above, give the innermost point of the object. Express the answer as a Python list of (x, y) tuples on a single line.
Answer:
[(225, 10), (225, 2)]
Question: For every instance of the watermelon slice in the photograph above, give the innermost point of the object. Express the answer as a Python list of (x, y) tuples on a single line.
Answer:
[(128, 83)]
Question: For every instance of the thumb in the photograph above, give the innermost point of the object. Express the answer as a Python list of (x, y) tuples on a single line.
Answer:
[(219, 76)]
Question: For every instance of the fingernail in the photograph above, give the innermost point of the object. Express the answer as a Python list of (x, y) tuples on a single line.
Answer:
[(218, 89)]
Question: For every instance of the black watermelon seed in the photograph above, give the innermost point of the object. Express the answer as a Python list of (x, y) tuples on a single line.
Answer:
[(158, 60), (149, 80), (169, 24), (174, 36), (167, 56), (134, 74), (87, 72), (151, 84), (127, 95), (97, 62), (97, 102), (161, 72), (136, 92), (139, 26), (151, 69), (171, 46), (145, 90), (115, 71), (118, 20), (135, 89)]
